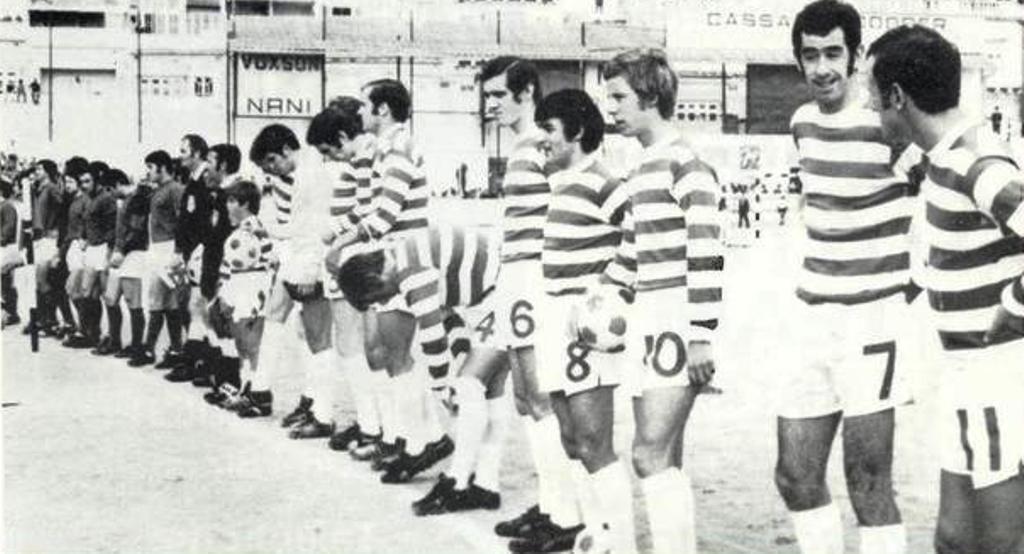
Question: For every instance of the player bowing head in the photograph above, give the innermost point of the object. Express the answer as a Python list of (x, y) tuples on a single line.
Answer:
[(333, 132), (274, 150), (369, 278)]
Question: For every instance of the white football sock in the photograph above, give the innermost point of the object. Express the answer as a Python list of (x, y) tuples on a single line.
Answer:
[(359, 382), (431, 419), (197, 329), (275, 337), (323, 377), (385, 393), (614, 493), (470, 426), (409, 406), (589, 509), (669, 499), (885, 539), (488, 466), (819, 530), (556, 493)]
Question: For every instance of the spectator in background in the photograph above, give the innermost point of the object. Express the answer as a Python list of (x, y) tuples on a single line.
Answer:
[(997, 121), (36, 90), (20, 92), (11, 256), (744, 210)]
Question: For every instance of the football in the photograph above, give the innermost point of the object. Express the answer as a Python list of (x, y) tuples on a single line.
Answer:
[(242, 251), (601, 322)]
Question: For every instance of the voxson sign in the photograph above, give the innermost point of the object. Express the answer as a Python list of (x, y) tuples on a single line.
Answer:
[(278, 86)]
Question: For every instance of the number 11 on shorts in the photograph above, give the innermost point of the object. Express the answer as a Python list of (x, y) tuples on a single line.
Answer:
[(889, 349)]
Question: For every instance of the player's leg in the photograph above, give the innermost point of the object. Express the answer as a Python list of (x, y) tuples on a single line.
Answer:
[(460, 491), (320, 369), (115, 317), (382, 388), (661, 415), (195, 347), (999, 516), (257, 399), (423, 448), (868, 379), (131, 289), (158, 296), (348, 343), (606, 486), (867, 460), (176, 316), (91, 311), (955, 531), (803, 449), (276, 338)]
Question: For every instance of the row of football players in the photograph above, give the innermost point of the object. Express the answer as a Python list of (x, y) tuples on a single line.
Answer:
[(651, 239)]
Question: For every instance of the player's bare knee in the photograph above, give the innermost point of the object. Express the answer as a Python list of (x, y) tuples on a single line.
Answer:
[(377, 356), (593, 448), (800, 490), (650, 457), (949, 542)]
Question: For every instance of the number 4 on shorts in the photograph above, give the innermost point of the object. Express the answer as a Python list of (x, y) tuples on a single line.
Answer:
[(889, 349)]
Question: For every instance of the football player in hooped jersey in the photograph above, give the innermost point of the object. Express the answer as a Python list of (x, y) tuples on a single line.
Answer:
[(426, 278), (852, 292), (337, 133), (511, 88), (671, 258), (582, 230), (974, 196)]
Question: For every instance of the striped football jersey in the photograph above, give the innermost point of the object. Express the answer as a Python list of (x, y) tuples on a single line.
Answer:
[(582, 230), (857, 210), (445, 268), (975, 223), (399, 208), (526, 200), (672, 236), (343, 196)]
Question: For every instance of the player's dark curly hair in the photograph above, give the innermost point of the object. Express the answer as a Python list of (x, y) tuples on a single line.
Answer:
[(519, 74), (272, 139), (394, 94), (922, 62), (360, 279), (819, 18), (161, 159), (578, 114)]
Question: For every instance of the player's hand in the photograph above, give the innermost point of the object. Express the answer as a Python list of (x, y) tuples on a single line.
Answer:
[(1004, 325), (700, 363), (116, 259), (328, 237)]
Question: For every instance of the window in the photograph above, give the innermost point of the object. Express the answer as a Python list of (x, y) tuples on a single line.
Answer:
[(55, 18), (248, 7), (292, 8), (341, 11)]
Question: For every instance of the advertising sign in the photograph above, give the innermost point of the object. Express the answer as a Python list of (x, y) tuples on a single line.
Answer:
[(278, 86)]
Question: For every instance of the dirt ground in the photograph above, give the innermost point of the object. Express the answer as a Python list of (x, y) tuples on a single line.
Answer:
[(100, 457)]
